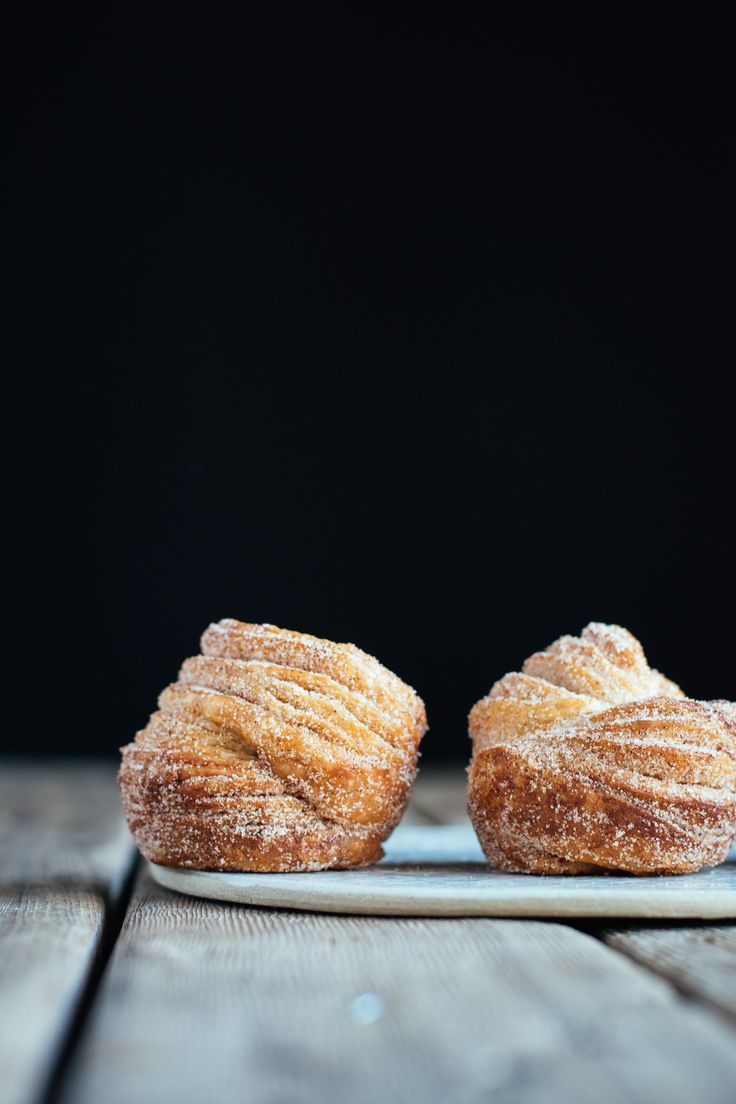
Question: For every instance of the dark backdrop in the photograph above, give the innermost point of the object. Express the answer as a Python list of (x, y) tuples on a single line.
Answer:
[(417, 337)]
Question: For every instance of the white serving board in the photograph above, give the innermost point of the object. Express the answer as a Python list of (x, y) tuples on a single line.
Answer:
[(440, 871)]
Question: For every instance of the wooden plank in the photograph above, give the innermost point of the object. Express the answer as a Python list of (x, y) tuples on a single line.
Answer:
[(64, 851), (61, 824), (440, 793), (203, 1001), (48, 943), (699, 960)]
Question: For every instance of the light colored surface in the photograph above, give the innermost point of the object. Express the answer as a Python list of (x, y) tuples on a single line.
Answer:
[(203, 1001), (440, 871), (208, 1001), (64, 851)]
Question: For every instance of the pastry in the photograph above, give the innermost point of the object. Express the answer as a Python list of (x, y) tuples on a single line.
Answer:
[(589, 760), (274, 750)]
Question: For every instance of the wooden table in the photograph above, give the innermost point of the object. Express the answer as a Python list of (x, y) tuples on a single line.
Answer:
[(115, 990)]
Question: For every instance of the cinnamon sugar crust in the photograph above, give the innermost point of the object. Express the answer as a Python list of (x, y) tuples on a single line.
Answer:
[(590, 760), (273, 751)]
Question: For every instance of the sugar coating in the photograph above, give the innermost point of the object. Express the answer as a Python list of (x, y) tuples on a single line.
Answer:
[(588, 759), (273, 750)]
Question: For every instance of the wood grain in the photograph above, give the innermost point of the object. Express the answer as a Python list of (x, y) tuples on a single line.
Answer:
[(64, 852), (207, 1001), (699, 960), (61, 824), (218, 1002), (48, 943)]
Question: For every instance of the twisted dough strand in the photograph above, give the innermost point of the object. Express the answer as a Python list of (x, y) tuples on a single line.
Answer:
[(274, 750), (590, 759)]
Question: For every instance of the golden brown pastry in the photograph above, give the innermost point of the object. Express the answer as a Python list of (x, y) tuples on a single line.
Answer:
[(589, 759), (274, 751)]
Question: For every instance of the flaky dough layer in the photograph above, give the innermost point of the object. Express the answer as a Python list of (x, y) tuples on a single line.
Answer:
[(274, 751), (590, 760)]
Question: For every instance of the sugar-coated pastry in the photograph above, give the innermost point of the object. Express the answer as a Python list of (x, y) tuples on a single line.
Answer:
[(589, 760), (274, 750)]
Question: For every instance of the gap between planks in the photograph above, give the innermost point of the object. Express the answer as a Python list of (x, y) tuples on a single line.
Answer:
[(699, 960), (65, 855), (114, 916), (67, 828), (207, 1000)]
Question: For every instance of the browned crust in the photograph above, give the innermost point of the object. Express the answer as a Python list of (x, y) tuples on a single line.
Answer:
[(564, 781), (293, 754)]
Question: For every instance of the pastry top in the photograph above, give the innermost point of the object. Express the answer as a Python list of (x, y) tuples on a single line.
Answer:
[(273, 750), (575, 675), (345, 664), (590, 758)]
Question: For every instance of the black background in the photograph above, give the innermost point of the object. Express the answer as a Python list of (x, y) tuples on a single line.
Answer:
[(413, 336)]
